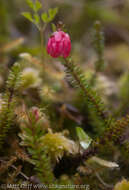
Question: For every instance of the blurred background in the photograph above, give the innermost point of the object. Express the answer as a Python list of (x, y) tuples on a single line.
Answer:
[(78, 16)]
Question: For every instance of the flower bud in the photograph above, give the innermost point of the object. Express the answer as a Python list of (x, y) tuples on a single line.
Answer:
[(59, 44)]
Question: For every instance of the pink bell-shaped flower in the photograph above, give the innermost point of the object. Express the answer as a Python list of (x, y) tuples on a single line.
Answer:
[(59, 44)]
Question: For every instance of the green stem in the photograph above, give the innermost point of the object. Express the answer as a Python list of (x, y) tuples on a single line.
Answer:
[(42, 30), (83, 88)]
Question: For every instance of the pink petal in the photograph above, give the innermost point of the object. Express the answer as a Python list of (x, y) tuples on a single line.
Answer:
[(57, 36)]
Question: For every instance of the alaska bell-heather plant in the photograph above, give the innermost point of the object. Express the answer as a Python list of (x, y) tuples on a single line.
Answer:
[(47, 138)]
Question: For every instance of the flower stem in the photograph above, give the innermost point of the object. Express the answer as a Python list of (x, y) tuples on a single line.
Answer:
[(42, 30), (73, 70)]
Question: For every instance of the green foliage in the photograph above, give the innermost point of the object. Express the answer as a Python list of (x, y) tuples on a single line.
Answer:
[(116, 129), (14, 78), (114, 134), (9, 102), (84, 139), (50, 142), (36, 18), (32, 132), (31, 4), (34, 6), (28, 16), (93, 100), (45, 148), (38, 5), (57, 145), (46, 18)]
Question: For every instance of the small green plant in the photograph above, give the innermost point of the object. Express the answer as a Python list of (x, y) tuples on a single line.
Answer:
[(9, 101), (32, 131), (40, 20)]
